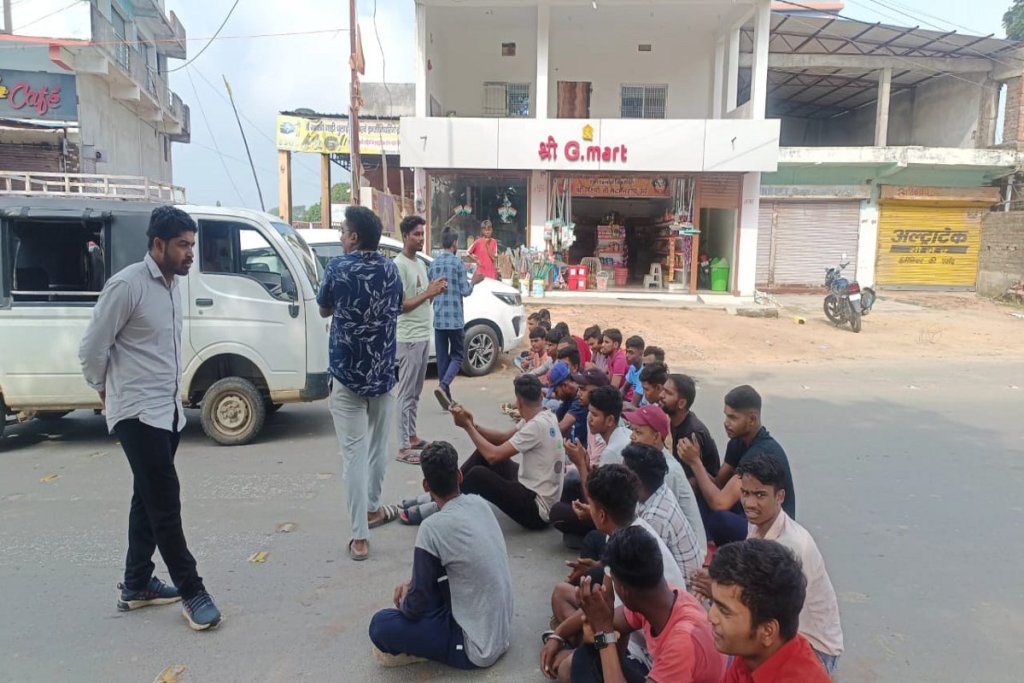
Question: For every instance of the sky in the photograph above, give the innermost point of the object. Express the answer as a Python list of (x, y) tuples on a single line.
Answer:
[(271, 74)]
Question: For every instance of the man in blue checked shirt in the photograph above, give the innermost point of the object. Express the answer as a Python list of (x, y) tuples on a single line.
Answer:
[(449, 336)]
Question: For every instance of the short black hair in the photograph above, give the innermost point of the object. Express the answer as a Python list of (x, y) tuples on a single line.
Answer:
[(634, 558), (534, 316), (686, 387), (744, 397), (647, 463), (167, 223), (364, 223), (440, 464), (562, 327), (771, 580), (614, 335), (448, 238), (636, 342), (410, 223), (538, 332), (608, 400), (528, 388), (553, 337), (617, 490), (592, 332), (654, 373), (765, 469), (545, 314), (657, 352), (570, 353), (544, 325)]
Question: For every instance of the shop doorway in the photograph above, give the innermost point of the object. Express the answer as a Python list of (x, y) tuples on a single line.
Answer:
[(718, 228), (628, 234)]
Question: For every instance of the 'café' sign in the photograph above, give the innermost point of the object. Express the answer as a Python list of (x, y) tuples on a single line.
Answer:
[(38, 95)]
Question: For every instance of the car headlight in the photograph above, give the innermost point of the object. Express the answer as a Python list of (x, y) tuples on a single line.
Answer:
[(510, 299)]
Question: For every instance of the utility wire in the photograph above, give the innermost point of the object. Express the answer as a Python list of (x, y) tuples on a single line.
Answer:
[(47, 16), (209, 42), (213, 138), (20, 42)]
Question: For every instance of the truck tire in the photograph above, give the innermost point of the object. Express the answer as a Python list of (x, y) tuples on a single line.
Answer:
[(52, 415), (482, 351), (233, 411)]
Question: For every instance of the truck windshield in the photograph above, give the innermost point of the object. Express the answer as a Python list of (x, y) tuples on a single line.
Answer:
[(298, 245)]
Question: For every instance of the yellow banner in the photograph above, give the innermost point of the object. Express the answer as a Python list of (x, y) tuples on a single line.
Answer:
[(330, 135)]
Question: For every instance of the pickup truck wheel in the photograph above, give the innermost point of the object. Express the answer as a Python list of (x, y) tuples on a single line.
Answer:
[(272, 407), (481, 351), (52, 415), (233, 411)]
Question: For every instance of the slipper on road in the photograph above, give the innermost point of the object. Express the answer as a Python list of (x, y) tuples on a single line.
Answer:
[(358, 557), (390, 514)]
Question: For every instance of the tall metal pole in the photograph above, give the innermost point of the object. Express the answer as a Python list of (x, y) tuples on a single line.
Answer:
[(353, 120), (231, 96)]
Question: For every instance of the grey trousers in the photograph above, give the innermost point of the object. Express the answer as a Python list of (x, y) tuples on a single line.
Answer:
[(362, 425), (412, 370)]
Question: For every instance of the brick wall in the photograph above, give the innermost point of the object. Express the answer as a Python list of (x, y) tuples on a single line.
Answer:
[(1001, 261), (1013, 126)]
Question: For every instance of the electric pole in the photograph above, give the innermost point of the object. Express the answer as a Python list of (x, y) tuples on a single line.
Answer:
[(356, 63)]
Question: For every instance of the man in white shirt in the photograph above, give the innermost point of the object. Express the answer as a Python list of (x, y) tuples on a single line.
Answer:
[(131, 355), (762, 491)]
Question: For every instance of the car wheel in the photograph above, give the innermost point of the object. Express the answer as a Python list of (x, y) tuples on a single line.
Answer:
[(52, 415), (481, 351), (271, 407), (233, 411)]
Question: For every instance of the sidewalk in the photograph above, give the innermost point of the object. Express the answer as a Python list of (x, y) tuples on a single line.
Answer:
[(649, 298)]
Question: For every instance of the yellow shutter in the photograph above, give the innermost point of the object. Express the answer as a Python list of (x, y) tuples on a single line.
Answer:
[(928, 245)]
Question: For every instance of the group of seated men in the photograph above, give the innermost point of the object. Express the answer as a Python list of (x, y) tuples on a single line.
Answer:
[(690, 568)]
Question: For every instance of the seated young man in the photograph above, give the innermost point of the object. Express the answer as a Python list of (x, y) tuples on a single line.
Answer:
[(762, 491), (633, 391), (654, 354), (650, 426), (592, 337), (457, 607), (572, 416), (525, 493), (720, 496), (658, 507), (537, 355), (613, 492), (652, 378), (615, 358), (677, 396), (757, 592), (675, 627), (569, 355)]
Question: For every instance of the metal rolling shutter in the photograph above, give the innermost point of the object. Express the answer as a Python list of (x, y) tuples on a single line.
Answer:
[(812, 236), (765, 221), (928, 245), (719, 190)]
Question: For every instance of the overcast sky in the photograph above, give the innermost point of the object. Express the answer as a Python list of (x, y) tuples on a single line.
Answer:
[(278, 73)]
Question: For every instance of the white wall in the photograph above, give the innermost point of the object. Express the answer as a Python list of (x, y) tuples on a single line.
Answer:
[(744, 269)]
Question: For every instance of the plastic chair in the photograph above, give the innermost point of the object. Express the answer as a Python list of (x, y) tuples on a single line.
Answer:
[(653, 278)]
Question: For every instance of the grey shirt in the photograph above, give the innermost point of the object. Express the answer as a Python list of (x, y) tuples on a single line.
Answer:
[(132, 348), (466, 538)]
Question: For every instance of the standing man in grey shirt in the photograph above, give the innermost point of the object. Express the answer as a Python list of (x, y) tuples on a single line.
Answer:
[(457, 607), (131, 355)]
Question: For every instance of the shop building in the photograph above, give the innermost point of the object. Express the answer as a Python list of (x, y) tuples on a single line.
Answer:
[(84, 89), (637, 125)]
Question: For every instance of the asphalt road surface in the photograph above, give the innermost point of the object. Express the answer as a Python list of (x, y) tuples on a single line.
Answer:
[(908, 476)]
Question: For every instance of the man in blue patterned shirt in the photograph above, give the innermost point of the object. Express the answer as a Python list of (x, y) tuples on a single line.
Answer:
[(362, 294), (449, 336)]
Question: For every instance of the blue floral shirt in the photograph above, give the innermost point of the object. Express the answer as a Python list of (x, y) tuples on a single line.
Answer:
[(365, 291)]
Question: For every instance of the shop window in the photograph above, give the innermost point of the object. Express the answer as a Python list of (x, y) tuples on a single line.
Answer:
[(506, 99), (463, 201), (644, 101), (55, 261), (229, 248)]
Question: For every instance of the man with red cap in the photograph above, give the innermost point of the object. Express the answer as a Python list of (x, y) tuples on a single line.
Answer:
[(651, 426)]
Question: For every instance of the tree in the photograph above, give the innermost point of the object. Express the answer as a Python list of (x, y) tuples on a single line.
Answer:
[(312, 214), (340, 193), (1013, 21)]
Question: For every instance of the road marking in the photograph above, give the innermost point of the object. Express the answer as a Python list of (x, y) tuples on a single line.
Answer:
[(259, 557)]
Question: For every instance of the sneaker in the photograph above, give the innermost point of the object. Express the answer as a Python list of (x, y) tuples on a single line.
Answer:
[(155, 593), (200, 612)]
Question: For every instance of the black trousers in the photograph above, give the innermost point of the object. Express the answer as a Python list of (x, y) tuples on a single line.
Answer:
[(155, 517), (562, 515), (500, 485), (586, 667)]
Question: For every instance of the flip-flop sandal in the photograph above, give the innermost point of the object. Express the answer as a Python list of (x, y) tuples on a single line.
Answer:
[(390, 514), (408, 456), (356, 556), (508, 408), (419, 445), (411, 516)]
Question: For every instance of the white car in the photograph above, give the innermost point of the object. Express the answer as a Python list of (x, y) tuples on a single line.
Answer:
[(494, 313)]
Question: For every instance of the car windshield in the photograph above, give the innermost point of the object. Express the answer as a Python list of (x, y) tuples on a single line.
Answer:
[(302, 250)]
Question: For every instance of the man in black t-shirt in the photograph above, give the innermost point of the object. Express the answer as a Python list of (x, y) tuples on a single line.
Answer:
[(677, 397), (719, 501)]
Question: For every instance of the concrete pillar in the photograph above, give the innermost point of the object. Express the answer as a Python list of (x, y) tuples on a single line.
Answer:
[(745, 263), (718, 79), (882, 109), (325, 190), (759, 71), (284, 185), (867, 240), (422, 94), (732, 67), (543, 40)]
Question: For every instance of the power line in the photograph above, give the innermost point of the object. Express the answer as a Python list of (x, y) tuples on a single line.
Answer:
[(47, 16), (209, 42), (213, 138), (19, 42)]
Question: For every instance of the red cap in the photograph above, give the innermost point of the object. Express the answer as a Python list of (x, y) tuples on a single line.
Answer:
[(650, 416)]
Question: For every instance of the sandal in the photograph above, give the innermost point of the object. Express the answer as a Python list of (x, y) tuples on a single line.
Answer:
[(408, 456), (411, 516), (419, 445), (508, 408), (390, 514), (357, 556)]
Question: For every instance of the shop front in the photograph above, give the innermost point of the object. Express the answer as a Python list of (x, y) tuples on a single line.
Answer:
[(463, 200), (929, 237)]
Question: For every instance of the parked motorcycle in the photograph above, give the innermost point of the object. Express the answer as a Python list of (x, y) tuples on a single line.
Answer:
[(846, 301)]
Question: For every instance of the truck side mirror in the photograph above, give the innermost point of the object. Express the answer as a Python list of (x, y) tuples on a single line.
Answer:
[(288, 286)]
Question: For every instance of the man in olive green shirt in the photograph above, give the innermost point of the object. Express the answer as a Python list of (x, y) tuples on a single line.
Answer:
[(414, 331)]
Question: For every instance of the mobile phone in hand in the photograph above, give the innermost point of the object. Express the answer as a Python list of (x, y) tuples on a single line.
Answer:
[(446, 403)]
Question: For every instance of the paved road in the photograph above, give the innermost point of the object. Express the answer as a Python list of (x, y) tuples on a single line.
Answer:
[(908, 477)]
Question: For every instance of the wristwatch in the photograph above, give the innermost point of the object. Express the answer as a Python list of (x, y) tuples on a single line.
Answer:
[(603, 640)]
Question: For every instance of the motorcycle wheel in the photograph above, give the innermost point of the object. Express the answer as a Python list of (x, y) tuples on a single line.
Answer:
[(854, 318), (832, 311)]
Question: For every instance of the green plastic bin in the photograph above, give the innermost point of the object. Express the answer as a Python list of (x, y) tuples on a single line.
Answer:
[(719, 275)]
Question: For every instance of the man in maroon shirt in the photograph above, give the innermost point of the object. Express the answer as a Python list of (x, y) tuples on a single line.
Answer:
[(757, 592)]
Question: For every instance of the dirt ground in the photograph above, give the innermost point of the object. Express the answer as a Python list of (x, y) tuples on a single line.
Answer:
[(944, 326)]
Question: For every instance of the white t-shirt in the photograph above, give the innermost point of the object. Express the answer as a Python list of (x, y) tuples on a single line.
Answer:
[(617, 442), (539, 442)]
